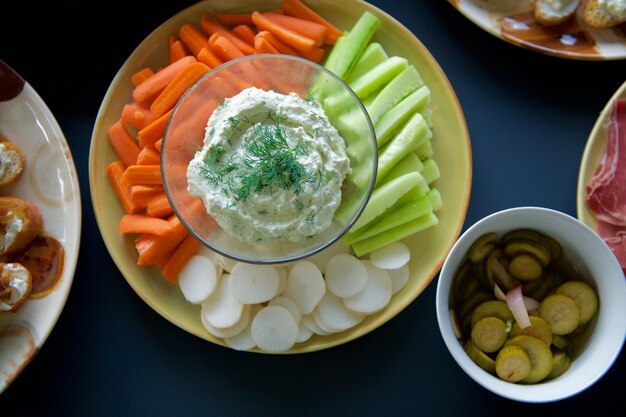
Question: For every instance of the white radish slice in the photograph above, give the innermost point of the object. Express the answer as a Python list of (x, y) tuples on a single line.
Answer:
[(289, 304), (335, 315), (320, 323), (226, 263), (309, 322), (345, 275), (274, 330), (253, 284), (304, 333), (392, 256), (305, 285), (231, 331), (376, 293), (214, 257), (198, 279), (399, 278), (282, 274), (321, 258), (243, 341), (221, 309)]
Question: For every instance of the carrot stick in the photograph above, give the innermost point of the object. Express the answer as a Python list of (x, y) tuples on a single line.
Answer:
[(192, 37), (279, 45), (123, 143), (245, 33), (151, 87), (297, 8), (136, 115), (148, 156), (235, 18), (142, 174), (141, 192), (263, 46), (154, 131), (177, 51), (180, 257), (315, 54), (140, 223), (208, 58), (224, 48), (153, 249), (114, 171), (158, 205), (177, 87), (158, 144), (312, 30), (211, 26), (291, 38), (141, 75)]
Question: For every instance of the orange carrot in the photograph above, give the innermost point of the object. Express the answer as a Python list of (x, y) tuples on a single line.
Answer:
[(291, 38), (208, 58), (114, 171), (224, 48), (154, 131), (192, 37), (141, 75), (151, 87), (279, 45), (140, 223), (137, 116), (180, 257), (211, 26), (123, 143), (158, 205), (142, 174), (245, 33), (315, 54), (235, 18), (312, 30), (177, 87), (263, 46), (148, 156), (158, 144), (177, 50), (153, 249), (297, 8), (141, 192)]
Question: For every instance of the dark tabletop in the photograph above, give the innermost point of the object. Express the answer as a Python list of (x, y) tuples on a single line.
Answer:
[(529, 116)]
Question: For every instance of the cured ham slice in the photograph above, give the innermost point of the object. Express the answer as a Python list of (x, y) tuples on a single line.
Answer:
[(605, 195)]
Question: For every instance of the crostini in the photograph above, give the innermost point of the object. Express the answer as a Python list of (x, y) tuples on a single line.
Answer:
[(11, 163), (604, 13), (554, 12), (20, 223), (15, 286)]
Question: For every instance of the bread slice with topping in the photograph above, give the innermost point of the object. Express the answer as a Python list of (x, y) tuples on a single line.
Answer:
[(599, 14), (15, 285), (20, 223), (554, 12), (11, 163)]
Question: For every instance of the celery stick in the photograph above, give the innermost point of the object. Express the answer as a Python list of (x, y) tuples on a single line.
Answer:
[(419, 190), (431, 171), (394, 217), (373, 55), (345, 54), (392, 235), (428, 115), (435, 198), (410, 163), (401, 86), (385, 196), (398, 114), (425, 151), (413, 134)]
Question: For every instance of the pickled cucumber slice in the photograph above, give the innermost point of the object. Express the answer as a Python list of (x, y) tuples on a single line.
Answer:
[(541, 360), (517, 246), (489, 334), (562, 362), (561, 312), (497, 272), (528, 234), (513, 364), (491, 308), (538, 328), (479, 357), (560, 342), (526, 267), (470, 304), (585, 297), (482, 246)]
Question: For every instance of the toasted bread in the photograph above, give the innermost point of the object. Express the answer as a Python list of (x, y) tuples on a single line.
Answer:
[(15, 286), (547, 14), (598, 15), (20, 223), (11, 163)]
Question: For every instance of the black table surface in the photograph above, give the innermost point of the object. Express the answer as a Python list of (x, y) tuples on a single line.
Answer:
[(529, 116)]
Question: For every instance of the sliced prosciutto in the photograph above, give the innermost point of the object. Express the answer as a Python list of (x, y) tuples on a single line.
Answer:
[(606, 192)]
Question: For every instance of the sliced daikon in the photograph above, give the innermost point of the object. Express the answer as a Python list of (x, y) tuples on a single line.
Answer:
[(198, 279), (221, 309), (289, 304), (225, 262), (282, 274), (335, 315), (274, 330), (321, 258), (213, 256), (375, 295), (252, 284), (320, 323), (305, 285), (392, 256), (399, 278), (231, 331), (345, 275), (243, 340), (309, 323), (304, 333)]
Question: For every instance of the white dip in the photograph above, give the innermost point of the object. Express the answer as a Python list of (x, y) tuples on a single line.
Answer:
[(271, 168)]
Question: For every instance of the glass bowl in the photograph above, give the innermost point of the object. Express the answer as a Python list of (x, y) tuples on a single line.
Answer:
[(185, 134)]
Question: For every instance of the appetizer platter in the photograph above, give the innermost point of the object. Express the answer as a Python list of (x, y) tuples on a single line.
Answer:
[(41, 213), (584, 30), (167, 282)]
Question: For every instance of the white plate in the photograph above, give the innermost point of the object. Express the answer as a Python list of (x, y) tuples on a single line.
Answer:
[(50, 182)]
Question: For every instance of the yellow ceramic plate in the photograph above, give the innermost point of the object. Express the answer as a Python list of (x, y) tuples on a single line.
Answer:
[(451, 144), (513, 21), (50, 182), (591, 158)]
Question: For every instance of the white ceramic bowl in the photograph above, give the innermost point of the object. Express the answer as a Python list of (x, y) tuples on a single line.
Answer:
[(603, 339)]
